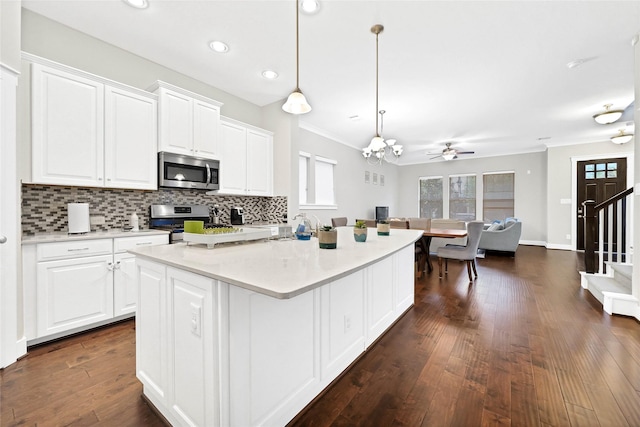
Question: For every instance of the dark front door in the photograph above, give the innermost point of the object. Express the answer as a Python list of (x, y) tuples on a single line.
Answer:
[(598, 180)]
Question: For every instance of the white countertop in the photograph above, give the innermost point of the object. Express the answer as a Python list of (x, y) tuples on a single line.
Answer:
[(62, 236), (281, 268)]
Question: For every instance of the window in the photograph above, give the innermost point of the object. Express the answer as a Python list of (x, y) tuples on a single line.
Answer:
[(303, 178), (431, 197), (462, 197), (324, 181), (497, 197), (316, 182)]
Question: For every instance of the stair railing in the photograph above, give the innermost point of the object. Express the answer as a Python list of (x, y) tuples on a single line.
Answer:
[(609, 221)]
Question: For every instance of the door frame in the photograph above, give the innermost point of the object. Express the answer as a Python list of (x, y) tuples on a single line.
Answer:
[(574, 185)]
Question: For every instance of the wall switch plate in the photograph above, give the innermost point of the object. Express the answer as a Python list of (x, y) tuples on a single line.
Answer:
[(347, 323), (196, 319), (96, 220)]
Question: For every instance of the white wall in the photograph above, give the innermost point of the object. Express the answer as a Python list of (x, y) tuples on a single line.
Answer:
[(354, 198), (530, 186)]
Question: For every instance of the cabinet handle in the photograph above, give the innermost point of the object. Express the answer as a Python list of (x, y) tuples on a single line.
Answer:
[(143, 243), (110, 266), (77, 250), (117, 267), (3, 239)]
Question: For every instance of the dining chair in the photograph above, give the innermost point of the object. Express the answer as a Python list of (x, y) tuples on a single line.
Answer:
[(421, 248), (465, 253), (399, 223), (339, 221), (371, 223)]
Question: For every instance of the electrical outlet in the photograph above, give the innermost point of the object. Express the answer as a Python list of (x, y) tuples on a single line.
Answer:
[(347, 323), (96, 219), (196, 320), (568, 236)]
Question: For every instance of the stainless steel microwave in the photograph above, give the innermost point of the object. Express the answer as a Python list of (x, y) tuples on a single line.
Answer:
[(181, 171)]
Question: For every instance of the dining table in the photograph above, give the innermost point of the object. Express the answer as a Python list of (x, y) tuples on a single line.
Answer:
[(446, 233)]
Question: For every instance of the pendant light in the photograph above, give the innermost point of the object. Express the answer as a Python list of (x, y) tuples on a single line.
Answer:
[(379, 149), (296, 102)]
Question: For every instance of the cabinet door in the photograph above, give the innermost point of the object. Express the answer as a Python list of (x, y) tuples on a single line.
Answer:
[(176, 122), (73, 293), (259, 163), (233, 162), (193, 361), (130, 140), (206, 129), (67, 128), (380, 305), (125, 285)]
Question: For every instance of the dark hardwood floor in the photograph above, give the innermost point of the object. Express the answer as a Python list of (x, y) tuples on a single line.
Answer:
[(524, 345)]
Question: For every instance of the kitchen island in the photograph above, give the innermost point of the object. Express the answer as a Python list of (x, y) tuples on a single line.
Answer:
[(248, 334)]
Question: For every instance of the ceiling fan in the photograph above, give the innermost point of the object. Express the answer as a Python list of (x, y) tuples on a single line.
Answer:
[(450, 153)]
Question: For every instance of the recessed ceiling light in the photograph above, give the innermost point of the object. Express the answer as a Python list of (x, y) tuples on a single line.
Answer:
[(310, 6), (218, 46), (269, 74), (138, 4)]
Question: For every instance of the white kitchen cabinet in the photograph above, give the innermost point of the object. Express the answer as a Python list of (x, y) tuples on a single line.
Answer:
[(90, 131), (189, 123), (72, 285), (246, 165), (67, 128), (130, 140)]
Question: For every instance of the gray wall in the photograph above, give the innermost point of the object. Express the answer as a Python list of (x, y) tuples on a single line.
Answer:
[(354, 198), (530, 186), (10, 34)]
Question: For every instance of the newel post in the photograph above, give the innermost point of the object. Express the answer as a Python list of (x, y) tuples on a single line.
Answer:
[(590, 233)]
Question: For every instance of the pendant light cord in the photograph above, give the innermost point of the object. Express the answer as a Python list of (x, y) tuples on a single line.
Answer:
[(297, 49), (377, 133)]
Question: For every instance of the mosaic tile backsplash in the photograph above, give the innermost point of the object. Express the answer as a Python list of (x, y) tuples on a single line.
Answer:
[(44, 207)]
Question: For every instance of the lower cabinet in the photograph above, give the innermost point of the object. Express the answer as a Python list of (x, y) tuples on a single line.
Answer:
[(210, 353), (74, 285)]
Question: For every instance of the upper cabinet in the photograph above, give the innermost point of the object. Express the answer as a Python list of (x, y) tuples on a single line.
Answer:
[(189, 123), (246, 164), (90, 131)]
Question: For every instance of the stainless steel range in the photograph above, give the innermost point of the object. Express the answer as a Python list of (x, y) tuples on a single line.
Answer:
[(172, 218)]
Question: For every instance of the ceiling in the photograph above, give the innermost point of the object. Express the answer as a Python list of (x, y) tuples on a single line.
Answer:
[(487, 76)]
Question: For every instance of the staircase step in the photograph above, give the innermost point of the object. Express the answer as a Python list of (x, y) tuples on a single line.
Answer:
[(608, 284), (622, 272)]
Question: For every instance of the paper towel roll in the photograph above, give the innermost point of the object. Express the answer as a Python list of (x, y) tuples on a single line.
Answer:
[(78, 215)]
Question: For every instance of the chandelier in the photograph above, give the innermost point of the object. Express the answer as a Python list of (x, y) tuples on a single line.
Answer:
[(380, 149)]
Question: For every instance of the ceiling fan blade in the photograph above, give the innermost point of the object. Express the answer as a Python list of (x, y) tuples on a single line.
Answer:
[(435, 157), (465, 152)]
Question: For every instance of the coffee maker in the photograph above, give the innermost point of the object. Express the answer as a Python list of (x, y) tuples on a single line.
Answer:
[(237, 216)]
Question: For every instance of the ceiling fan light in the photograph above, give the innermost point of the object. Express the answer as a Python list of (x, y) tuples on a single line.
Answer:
[(296, 103), (449, 155), (621, 138)]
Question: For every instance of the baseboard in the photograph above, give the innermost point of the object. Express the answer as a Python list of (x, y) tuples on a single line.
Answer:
[(532, 243), (557, 246)]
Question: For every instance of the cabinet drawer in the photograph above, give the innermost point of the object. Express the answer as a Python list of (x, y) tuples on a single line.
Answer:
[(123, 244), (74, 249)]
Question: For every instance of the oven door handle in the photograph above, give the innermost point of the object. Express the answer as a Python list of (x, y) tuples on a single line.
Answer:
[(208, 173)]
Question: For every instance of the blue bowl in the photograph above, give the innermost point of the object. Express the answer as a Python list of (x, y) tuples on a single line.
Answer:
[(303, 236)]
